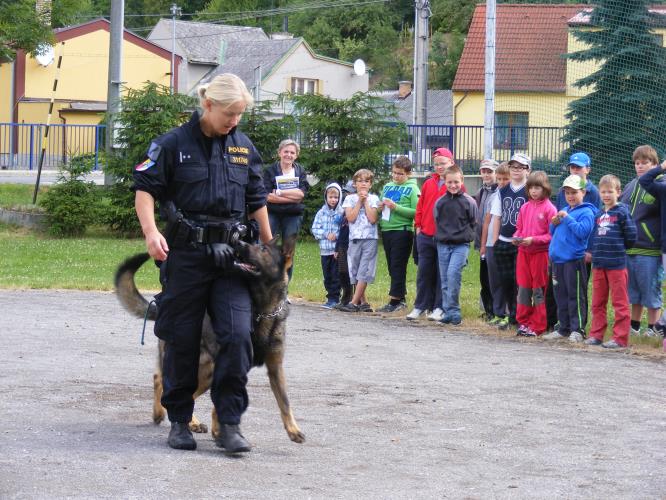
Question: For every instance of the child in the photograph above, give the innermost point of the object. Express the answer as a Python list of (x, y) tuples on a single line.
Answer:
[(644, 259), (455, 218), (653, 183), (341, 246), (361, 212), (505, 211), (571, 229), (399, 200), (428, 286), (482, 198), (614, 232), (488, 239), (532, 238), (580, 165), (325, 229)]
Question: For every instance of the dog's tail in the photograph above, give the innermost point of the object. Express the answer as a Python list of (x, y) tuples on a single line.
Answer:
[(126, 290)]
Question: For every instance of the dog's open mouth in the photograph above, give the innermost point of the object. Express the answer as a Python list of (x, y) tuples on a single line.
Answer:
[(246, 268)]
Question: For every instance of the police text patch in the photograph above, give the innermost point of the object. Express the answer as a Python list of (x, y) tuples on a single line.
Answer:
[(239, 160), (238, 150)]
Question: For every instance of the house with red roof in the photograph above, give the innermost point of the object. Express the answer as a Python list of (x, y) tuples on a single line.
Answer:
[(534, 82)]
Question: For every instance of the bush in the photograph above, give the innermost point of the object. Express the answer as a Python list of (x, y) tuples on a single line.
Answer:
[(71, 204)]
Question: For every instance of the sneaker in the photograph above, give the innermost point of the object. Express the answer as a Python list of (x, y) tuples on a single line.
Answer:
[(349, 308), (330, 304), (611, 344), (390, 308), (650, 332), (365, 308), (415, 314), (436, 315), (503, 323), (522, 329), (530, 333), (556, 335), (635, 333), (446, 319), (593, 341), (456, 320), (494, 320), (576, 337)]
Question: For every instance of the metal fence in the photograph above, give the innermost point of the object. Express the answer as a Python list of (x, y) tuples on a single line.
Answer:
[(21, 145), (543, 144)]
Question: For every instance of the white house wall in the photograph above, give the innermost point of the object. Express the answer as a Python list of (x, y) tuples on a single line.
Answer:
[(337, 81)]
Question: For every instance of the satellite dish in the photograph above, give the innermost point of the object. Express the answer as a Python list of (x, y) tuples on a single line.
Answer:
[(45, 55), (359, 67)]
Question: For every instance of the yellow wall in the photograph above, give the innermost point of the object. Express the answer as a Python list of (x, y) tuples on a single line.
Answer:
[(84, 69), (6, 92), (544, 110), (577, 70)]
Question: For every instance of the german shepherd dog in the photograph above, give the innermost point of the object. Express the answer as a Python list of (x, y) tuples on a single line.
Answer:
[(265, 266)]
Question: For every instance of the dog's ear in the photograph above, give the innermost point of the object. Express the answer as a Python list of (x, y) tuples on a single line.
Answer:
[(289, 246), (273, 242)]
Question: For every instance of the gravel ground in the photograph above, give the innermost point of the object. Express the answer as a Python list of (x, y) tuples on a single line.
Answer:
[(390, 409)]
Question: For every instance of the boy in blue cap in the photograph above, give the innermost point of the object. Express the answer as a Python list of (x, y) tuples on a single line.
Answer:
[(580, 165)]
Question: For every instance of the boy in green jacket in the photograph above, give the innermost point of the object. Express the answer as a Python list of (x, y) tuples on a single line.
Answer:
[(398, 207)]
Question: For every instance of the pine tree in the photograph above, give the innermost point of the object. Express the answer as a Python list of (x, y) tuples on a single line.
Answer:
[(625, 106)]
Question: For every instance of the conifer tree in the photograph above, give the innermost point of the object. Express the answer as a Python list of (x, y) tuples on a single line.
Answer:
[(625, 105)]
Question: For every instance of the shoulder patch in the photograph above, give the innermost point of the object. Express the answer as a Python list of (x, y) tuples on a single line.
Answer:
[(144, 165), (154, 151), (238, 150)]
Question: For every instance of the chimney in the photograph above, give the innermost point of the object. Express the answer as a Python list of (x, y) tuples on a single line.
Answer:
[(404, 89), (43, 8)]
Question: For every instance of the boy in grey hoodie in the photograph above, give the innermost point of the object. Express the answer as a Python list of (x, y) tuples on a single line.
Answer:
[(325, 229)]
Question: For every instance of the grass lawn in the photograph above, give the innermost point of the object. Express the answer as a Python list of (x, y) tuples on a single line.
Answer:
[(34, 260)]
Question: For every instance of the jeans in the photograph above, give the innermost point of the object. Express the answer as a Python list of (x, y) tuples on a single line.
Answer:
[(285, 225), (428, 287), (452, 260)]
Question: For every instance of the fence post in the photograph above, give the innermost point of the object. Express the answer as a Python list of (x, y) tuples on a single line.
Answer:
[(96, 147), (32, 145)]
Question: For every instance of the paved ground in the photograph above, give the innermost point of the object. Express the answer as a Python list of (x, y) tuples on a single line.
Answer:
[(48, 177), (390, 410)]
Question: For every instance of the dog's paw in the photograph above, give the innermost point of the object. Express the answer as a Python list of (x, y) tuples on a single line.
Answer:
[(296, 435), (198, 427)]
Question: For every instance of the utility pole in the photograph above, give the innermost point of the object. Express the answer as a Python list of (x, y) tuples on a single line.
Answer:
[(175, 11), (115, 76), (419, 101), (489, 116)]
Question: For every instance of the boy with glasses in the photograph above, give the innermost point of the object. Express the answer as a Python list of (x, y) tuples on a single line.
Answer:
[(398, 207), (505, 211)]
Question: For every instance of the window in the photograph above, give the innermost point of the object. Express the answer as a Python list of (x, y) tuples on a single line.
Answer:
[(303, 86), (511, 130)]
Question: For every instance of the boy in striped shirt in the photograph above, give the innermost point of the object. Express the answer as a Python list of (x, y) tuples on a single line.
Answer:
[(614, 233)]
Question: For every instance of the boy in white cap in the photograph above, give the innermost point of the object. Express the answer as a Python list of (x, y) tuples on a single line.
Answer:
[(505, 211), (483, 198), (571, 229)]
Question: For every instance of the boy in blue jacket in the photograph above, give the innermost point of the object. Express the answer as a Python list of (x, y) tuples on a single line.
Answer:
[(571, 229), (325, 229)]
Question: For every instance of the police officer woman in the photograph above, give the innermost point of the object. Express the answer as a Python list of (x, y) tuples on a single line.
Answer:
[(207, 178)]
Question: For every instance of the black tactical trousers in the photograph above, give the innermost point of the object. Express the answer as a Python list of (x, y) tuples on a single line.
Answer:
[(191, 285)]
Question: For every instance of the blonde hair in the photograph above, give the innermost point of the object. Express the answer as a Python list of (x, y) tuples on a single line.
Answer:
[(289, 142), (225, 89), (612, 181), (453, 170), (363, 174), (503, 168)]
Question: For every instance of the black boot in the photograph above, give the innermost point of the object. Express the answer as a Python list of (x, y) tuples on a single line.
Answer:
[(180, 436), (231, 439)]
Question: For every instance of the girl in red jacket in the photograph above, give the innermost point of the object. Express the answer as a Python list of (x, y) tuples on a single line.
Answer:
[(532, 238)]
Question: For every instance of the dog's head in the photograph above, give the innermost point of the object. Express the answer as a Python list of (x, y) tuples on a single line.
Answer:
[(267, 261)]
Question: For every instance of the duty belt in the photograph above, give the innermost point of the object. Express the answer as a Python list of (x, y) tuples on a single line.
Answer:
[(211, 234)]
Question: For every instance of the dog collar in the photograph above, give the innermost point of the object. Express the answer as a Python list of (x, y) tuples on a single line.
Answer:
[(275, 313)]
